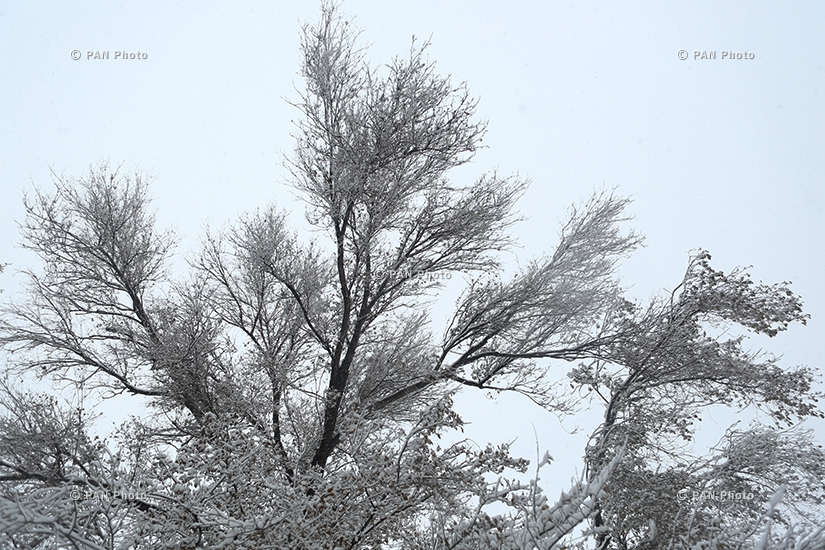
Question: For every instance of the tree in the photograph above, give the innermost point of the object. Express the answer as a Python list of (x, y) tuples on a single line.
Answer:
[(293, 395), (654, 384)]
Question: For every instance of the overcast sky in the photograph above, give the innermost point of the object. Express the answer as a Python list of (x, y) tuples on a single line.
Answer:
[(723, 154)]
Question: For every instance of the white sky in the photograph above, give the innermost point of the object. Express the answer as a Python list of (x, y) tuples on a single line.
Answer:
[(727, 155)]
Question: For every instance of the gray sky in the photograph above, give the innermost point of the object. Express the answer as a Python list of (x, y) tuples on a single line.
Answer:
[(722, 154)]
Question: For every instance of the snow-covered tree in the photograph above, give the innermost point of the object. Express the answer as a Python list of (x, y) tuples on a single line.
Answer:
[(674, 360), (291, 394)]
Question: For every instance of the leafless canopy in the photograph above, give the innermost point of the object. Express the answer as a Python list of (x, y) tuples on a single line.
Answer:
[(290, 391)]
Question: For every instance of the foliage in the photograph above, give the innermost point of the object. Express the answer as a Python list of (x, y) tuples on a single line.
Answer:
[(656, 381), (292, 396)]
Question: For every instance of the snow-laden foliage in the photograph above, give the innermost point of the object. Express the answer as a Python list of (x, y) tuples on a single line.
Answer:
[(289, 393)]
